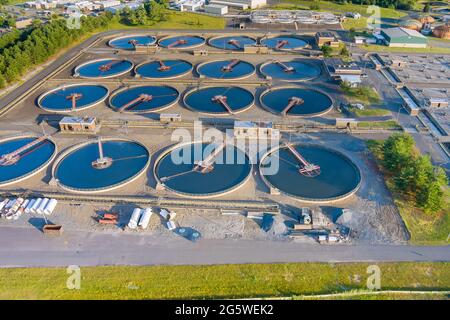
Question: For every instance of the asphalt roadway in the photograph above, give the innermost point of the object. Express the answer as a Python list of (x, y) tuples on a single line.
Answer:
[(25, 247)]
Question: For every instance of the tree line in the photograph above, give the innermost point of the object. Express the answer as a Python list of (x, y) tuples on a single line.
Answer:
[(395, 4), (414, 176)]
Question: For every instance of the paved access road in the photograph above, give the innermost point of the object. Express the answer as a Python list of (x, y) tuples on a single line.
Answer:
[(25, 247)]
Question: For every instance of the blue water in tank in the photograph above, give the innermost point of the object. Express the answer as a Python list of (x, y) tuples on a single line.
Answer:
[(293, 42), (201, 100), (224, 176), (125, 42), (223, 42), (191, 41), (214, 69), (93, 69), (314, 101), (338, 176), (301, 71), (75, 169), (161, 97), (59, 100), (177, 68), (30, 159)]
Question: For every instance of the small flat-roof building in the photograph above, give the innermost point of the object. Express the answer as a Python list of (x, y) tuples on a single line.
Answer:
[(216, 9), (86, 125), (404, 38), (328, 38), (241, 4), (255, 130), (339, 70)]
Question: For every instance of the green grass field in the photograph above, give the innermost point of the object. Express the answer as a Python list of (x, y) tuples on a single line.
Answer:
[(381, 48), (179, 20), (218, 281), (424, 229), (370, 112), (390, 124), (367, 97)]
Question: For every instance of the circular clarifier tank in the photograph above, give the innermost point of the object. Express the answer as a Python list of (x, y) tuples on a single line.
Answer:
[(98, 166), (164, 69), (74, 97), (232, 42), (23, 157), (222, 100), (142, 99), (290, 70), (295, 101), (310, 173), (226, 69), (181, 42), (103, 68), (202, 170), (130, 42), (284, 43)]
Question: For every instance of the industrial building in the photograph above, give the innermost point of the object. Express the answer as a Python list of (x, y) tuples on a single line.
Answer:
[(216, 9), (255, 130), (342, 71), (327, 38), (241, 4), (403, 38)]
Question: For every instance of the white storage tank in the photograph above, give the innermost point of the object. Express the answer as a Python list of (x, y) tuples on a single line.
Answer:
[(134, 219), (36, 205), (51, 205), (40, 209), (25, 203), (3, 203), (145, 218), (30, 205)]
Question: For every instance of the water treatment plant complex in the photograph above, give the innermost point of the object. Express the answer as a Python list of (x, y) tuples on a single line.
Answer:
[(104, 132)]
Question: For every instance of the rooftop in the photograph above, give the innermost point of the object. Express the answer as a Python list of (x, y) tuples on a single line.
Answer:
[(402, 32)]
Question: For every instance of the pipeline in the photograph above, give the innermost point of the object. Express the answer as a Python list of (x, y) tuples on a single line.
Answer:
[(74, 97), (177, 43), (137, 101), (229, 67), (162, 66), (281, 44), (293, 101), (286, 68), (13, 157), (309, 169), (222, 100)]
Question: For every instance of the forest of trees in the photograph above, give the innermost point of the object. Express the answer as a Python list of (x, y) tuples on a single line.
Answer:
[(414, 176), (398, 4)]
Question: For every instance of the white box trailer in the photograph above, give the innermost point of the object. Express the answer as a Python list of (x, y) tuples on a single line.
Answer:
[(36, 205), (134, 219), (3, 203), (42, 206), (25, 203), (30, 205), (145, 218), (51, 205)]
